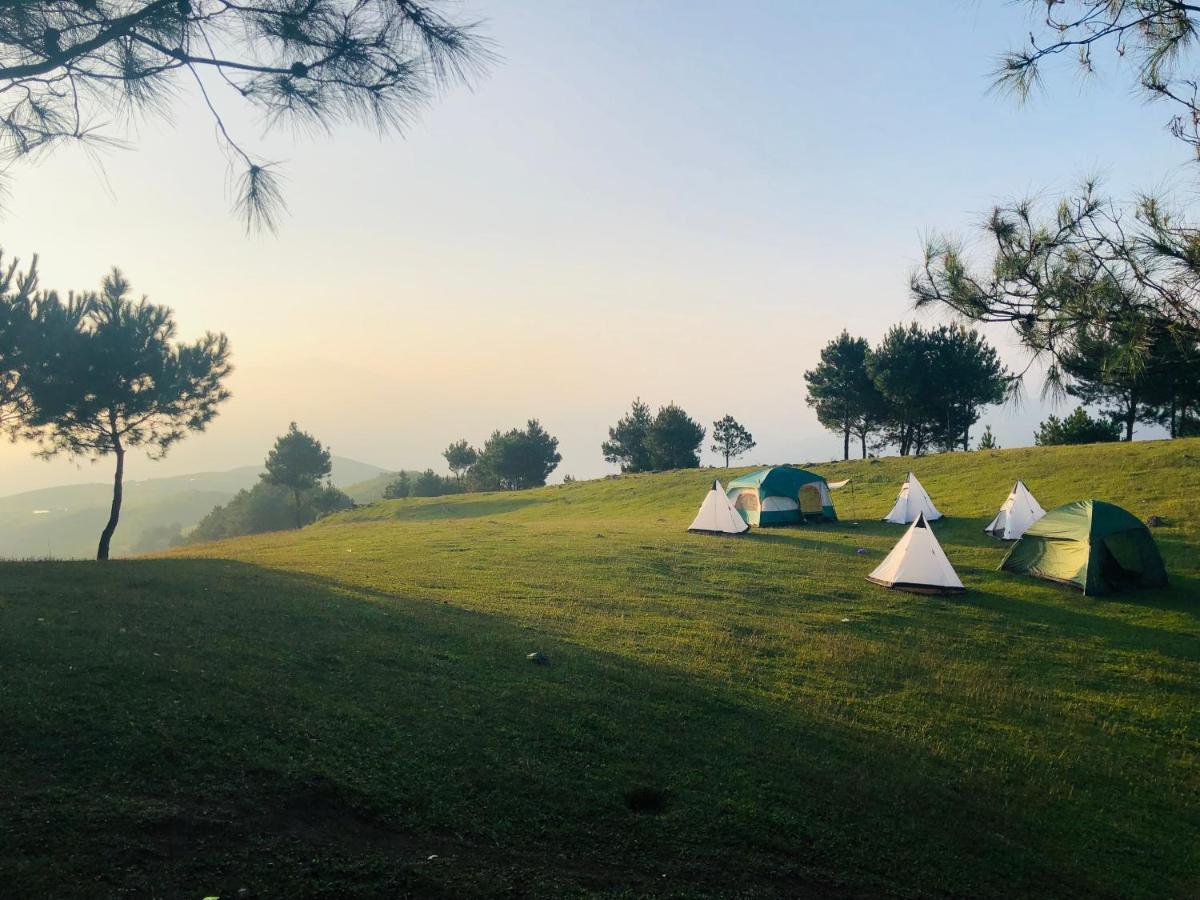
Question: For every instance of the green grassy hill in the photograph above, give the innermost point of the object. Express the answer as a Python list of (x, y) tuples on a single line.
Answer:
[(348, 711)]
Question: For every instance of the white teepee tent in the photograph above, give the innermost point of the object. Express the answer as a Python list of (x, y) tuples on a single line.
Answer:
[(911, 502), (918, 564), (717, 515), (1019, 511)]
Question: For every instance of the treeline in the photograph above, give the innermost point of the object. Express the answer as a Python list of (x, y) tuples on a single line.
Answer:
[(1157, 385), (918, 390), (512, 460), (669, 439)]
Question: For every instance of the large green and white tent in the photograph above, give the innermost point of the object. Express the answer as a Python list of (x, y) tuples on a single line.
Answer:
[(782, 495), (1095, 546)]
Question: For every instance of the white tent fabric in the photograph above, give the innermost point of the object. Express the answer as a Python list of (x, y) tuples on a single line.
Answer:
[(1019, 511), (911, 502), (917, 563), (717, 515)]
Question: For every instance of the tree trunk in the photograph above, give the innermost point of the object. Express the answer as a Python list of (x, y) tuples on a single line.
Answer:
[(863, 438), (114, 513), (846, 443), (727, 459), (296, 499), (1130, 418)]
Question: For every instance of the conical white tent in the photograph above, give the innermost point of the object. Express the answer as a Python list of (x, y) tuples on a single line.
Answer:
[(918, 564), (1019, 511), (717, 515), (912, 501)]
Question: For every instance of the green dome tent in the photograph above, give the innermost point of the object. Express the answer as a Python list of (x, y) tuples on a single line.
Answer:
[(782, 495), (1096, 546)]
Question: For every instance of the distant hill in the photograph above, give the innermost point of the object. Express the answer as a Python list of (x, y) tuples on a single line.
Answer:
[(65, 522), (371, 489)]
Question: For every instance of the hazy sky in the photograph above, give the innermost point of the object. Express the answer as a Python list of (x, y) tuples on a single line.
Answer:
[(678, 200)]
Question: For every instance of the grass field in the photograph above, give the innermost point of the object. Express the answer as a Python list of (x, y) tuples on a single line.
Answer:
[(348, 710)]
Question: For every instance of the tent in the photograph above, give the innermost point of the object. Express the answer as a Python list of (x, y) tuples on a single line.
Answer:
[(1017, 513), (1096, 546), (918, 564), (911, 502), (717, 515), (782, 495)]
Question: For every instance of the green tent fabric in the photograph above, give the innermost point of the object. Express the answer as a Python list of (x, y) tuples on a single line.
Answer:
[(1096, 546), (781, 495)]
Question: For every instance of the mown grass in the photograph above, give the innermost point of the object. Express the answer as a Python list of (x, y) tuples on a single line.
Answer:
[(348, 711)]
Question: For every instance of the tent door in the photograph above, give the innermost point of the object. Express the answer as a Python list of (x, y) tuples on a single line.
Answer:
[(1121, 561), (811, 504)]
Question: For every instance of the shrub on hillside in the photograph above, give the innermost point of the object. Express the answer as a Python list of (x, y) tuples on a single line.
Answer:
[(399, 488), (1077, 428), (267, 507)]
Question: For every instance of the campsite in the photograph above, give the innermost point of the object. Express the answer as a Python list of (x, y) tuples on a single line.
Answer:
[(720, 716), (540, 450)]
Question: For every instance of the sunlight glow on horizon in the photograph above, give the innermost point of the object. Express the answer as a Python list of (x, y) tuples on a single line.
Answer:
[(608, 214)]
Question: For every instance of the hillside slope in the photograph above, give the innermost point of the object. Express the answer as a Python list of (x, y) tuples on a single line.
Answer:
[(65, 522), (348, 711)]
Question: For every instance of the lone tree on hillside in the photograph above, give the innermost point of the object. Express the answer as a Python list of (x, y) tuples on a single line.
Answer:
[(626, 444), (101, 374), (297, 462), (730, 439), (674, 440), (309, 65), (842, 392), (987, 441), (460, 456)]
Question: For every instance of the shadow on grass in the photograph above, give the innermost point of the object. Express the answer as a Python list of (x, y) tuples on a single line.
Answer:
[(462, 509), (194, 727)]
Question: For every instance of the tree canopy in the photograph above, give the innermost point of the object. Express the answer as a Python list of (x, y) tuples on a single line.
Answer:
[(731, 439), (304, 64), (1077, 428), (516, 459), (674, 440), (843, 393), (1157, 36), (1053, 274), (298, 462), (460, 456), (99, 374), (626, 444)]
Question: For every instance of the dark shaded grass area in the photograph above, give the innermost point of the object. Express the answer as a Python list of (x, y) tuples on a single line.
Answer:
[(193, 727)]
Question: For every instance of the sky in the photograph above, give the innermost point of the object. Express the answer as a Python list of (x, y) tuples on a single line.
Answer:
[(682, 201)]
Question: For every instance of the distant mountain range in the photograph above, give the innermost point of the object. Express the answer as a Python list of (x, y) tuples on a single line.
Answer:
[(65, 522)]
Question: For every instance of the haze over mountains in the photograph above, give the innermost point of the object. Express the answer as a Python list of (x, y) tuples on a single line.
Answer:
[(65, 522)]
